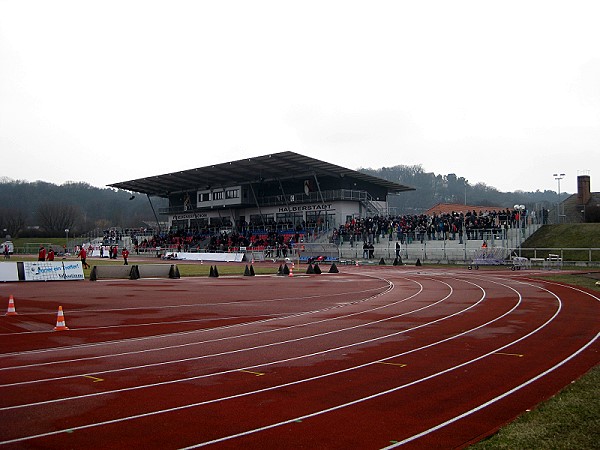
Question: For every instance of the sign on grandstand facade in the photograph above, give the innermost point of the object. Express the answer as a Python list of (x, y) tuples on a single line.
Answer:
[(305, 208), (189, 216), (328, 215), (313, 214)]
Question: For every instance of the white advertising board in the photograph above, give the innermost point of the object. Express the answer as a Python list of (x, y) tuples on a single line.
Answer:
[(218, 257), (53, 270), (9, 271)]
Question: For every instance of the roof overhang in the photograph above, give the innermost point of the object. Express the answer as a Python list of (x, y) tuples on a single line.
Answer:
[(276, 166)]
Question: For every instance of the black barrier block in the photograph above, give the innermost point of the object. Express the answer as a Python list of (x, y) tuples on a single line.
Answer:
[(418, 263), (216, 272), (244, 259), (246, 271), (21, 271), (174, 271), (310, 269), (333, 269), (382, 262), (115, 272), (212, 272), (134, 273), (280, 271), (317, 269), (252, 270), (286, 269)]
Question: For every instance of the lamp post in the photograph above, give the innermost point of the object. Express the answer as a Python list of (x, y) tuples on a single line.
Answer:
[(520, 224), (558, 177), (66, 240)]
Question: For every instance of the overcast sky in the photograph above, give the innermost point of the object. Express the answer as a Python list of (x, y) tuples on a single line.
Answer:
[(503, 93)]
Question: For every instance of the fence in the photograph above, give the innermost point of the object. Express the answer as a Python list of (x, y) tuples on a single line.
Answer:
[(441, 252)]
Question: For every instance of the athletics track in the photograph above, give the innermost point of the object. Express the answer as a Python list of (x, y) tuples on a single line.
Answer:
[(371, 357)]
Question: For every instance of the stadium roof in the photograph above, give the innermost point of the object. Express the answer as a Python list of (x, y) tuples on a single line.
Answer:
[(277, 166)]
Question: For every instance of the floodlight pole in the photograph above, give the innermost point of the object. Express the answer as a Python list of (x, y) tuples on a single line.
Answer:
[(558, 177), (520, 224)]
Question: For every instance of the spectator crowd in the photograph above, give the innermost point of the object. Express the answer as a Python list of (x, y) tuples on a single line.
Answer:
[(449, 226), (401, 228)]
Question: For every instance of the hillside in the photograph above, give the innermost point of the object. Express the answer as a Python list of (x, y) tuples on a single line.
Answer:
[(45, 209), (584, 235), (431, 189)]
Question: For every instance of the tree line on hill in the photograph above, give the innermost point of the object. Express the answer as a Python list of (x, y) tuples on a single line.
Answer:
[(431, 189), (45, 209), (40, 209)]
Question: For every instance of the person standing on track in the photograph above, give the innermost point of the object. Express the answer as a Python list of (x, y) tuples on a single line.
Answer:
[(125, 254), (83, 256), (42, 254)]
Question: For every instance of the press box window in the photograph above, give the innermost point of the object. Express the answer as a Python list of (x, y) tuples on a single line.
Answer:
[(232, 193), (204, 197), (218, 195)]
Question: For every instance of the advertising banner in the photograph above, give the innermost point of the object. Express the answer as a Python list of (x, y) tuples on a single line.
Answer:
[(53, 270), (218, 257), (9, 271)]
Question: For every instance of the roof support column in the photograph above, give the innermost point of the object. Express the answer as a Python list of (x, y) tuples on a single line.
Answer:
[(262, 217), (322, 198), (284, 194), (155, 216), (319, 188)]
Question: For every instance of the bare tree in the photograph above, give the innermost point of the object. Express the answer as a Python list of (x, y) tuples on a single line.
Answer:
[(12, 221), (54, 218)]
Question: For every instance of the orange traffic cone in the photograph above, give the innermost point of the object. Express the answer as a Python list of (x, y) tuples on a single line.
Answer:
[(356, 263), (291, 274), (60, 321), (11, 307)]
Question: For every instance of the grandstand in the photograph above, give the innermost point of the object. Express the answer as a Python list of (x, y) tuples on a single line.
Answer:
[(282, 192), (289, 205)]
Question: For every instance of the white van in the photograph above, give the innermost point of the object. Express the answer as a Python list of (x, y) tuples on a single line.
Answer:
[(9, 244)]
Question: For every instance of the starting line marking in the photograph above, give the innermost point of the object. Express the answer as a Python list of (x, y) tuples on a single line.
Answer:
[(392, 364), (258, 374), (96, 380)]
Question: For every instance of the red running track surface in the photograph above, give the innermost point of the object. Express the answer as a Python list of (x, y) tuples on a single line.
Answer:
[(368, 358)]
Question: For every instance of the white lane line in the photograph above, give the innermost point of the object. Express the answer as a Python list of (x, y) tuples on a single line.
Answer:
[(156, 349), (229, 352), (534, 283), (275, 362), (205, 330), (84, 312), (297, 382), (495, 399), (321, 376)]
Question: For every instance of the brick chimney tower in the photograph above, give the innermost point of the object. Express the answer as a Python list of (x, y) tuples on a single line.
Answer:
[(583, 189)]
